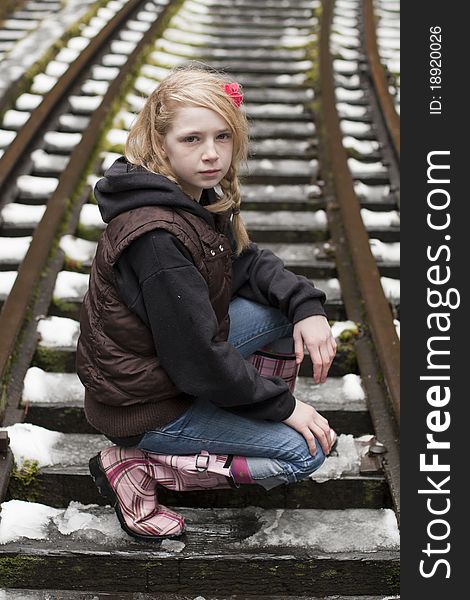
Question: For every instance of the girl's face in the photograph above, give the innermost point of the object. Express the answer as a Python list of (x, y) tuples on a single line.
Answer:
[(199, 147)]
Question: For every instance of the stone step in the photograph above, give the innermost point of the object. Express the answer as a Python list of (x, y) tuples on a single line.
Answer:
[(353, 551), (57, 397)]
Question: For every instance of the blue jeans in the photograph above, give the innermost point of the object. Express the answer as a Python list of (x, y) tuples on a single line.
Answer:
[(275, 452)]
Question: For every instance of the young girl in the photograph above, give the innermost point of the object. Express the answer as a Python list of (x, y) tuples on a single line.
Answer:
[(188, 328)]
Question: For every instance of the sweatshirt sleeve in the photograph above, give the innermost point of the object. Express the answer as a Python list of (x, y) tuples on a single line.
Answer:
[(175, 299), (259, 275)]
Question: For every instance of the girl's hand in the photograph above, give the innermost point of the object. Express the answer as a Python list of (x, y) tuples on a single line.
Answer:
[(309, 423), (315, 333)]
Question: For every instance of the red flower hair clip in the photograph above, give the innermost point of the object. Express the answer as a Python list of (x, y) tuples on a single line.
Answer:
[(233, 90)]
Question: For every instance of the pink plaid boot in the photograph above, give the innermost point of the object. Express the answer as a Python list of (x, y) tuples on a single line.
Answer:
[(200, 472), (127, 478), (276, 364)]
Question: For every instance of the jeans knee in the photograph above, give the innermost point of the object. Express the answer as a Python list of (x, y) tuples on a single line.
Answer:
[(310, 463)]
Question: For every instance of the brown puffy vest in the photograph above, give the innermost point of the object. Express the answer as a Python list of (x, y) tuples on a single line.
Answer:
[(127, 392)]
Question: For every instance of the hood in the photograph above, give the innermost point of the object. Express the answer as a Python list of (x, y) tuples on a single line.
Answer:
[(125, 187)]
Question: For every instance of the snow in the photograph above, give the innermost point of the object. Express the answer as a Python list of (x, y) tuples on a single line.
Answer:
[(101, 73), (339, 326), (84, 104), (28, 101), (95, 88), (78, 43), (7, 279), (6, 137), (345, 95), (352, 387), (355, 128), (56, 68), (77, 249), (13, 249), (25, 519), (350, 530), (136, 103), (22, 214), (364, 147), (70, 286), (45, 162), (114, 60), (345, 460), (61, 140), (30, 442), (167, 60), (373, 218), (108, 159), (117, 137), (396, 322), (358, 167), (67, 55), (352, 111), (274, 109), (52, 388), (43, 83), (153, 72), (131, 36), (90, 216), (391, 288), (376, 192), (121, 47), (345, 67), (385, 251), (58, 332), (15, 119), (37, 521)]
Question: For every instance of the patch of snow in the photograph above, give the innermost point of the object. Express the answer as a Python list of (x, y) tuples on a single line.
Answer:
[(360, 167), (131, 36), (385, 251), (344, 460), (84, 105), (56, 68), (350, 530), (45, 162), (390, 218), (117, 137), (95, 88), (90, 216), (391, 288), (108, 159), (43, 83), (15, 119), (364, 147), (13, 250), (58, 332), (354, 128), (77, 249), (22, 214), (30, 442), (6, 137), (114, 60), (70, 286), (67, 55), (104, 73), (352, 387), (7, 279), (25, 520), (121, 47), (43, 387), (28, 101), (78, 43), (61, 140), (339, 326)]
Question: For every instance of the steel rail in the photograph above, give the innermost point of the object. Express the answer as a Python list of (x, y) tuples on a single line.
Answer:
[(379, 79), (15, 309), (361, 287), (56, 94)]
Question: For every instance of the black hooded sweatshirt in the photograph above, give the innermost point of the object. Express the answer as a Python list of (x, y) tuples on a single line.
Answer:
[(155, 266)]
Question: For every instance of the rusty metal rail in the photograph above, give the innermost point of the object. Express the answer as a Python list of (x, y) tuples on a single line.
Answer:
[(379, 79), (15, 309), (361, 287)]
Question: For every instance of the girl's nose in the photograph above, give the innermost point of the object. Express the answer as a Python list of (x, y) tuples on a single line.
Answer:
[(210, 152)]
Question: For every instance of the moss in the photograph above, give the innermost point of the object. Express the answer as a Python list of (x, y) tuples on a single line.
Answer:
[(20, 570), (23, 482), (51, 359), (329, 574)]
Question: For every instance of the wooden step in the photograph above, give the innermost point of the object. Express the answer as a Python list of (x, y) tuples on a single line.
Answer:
[(286, 551)]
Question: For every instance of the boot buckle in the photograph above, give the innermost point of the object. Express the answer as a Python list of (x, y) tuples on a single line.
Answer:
[(203, 455)]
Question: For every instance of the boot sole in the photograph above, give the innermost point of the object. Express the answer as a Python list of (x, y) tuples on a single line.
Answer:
[(101, 481)]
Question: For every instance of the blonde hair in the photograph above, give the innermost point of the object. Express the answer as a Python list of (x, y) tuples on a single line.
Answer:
[(194, 84)]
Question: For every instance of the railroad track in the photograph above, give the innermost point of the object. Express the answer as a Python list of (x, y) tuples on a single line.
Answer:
[(295, 192)]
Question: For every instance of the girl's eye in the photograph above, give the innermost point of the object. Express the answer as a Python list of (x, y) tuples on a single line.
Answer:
[(190, 138), (225, 136)]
